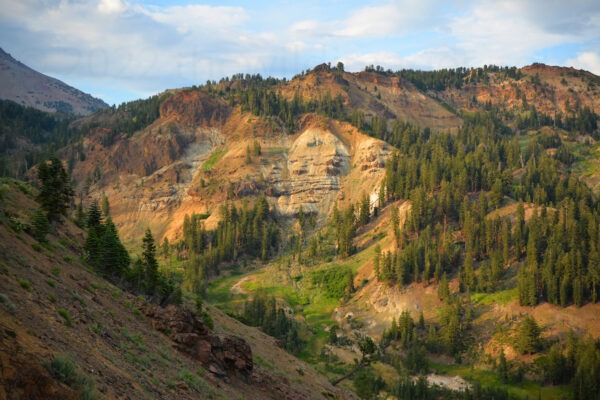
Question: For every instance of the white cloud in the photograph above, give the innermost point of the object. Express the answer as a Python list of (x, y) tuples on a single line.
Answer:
[(197, 17), (143, 48), (374, 22), (501, 33), (587, 60), (296, 46), (111, 6)]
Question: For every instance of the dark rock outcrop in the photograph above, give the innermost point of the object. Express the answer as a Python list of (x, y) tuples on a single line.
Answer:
[(222, 355)]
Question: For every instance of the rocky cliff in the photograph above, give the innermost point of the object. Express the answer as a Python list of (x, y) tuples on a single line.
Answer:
[(199, 152)]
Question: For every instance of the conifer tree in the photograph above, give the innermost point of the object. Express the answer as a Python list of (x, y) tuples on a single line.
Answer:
[(149, 259), (114, 258), (41, 226), (95, 232), (105, 206), (502, 367), (55, 192), (364, 211), (377, 262), (80, 216), (528, 339)]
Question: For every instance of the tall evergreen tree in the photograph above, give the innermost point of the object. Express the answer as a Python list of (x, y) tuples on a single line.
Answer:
[(149, 258), (55, 192), (41, 226)]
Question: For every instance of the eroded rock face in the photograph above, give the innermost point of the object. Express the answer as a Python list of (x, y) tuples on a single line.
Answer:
[(317, 162), (220, 354)]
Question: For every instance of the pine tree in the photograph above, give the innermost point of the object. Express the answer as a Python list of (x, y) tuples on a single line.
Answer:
[(164, 248), (528, 338), (41, 226), (469, 273), (349, 284), (377, 261), (506, 241), (55, 192), (443, 290), (113, 256), (149, 259), (502, 367), (95, 232), (364, 211), (94, 216), (105, 205), (80, 216)]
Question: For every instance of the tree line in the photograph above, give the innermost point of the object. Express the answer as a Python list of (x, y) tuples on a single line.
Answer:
[(250, 232)]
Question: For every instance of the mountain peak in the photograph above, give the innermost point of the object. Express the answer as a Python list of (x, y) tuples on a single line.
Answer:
[(27, 87)]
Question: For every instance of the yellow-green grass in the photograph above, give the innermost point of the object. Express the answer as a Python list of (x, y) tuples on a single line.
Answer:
[(214, 158), (502, 297)]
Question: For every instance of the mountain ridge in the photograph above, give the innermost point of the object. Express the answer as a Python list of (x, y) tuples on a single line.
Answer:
[(27, 87)]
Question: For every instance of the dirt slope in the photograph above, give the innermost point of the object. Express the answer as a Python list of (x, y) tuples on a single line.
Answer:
[(108, 333)]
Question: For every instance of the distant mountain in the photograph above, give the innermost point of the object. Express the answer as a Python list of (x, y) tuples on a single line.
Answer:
[(27, 87)]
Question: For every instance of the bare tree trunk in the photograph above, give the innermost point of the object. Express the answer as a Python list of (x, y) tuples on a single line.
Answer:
[(349, 374)]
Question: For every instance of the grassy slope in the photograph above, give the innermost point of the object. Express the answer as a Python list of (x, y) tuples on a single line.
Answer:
[(107, 336)]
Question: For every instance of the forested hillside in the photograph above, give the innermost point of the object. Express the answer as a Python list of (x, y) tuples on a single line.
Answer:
[(418, 234)]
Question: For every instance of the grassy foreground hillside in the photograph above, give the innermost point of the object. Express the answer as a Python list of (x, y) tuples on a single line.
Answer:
[(68, 332)]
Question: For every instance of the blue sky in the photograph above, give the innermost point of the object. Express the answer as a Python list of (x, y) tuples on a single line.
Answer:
[(121, 50)]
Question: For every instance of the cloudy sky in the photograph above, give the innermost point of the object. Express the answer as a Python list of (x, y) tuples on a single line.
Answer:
[(121, 50)]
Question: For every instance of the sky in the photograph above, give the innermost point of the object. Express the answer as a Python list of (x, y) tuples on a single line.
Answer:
[(121, 50)]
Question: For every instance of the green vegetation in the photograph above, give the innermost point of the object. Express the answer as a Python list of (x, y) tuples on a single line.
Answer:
[(263, 311), (250, 232), (40, 225), (55, 192), (65, 314), (106, 253), (7, 303), (335, 282), (214, 158), (65, 370), (24, 284)]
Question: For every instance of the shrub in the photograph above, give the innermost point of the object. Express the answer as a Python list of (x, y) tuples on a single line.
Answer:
[(65, 370), (9, 305), (51, 283), (334, 281), (24, 284), (55, 271), (65, 314)]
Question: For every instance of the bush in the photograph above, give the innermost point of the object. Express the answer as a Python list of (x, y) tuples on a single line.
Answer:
[(334, 281), (64, 369), (9, 305), (65, 314), (24, 284)]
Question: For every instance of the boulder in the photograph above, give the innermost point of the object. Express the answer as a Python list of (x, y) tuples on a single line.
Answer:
[(222, 355)]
